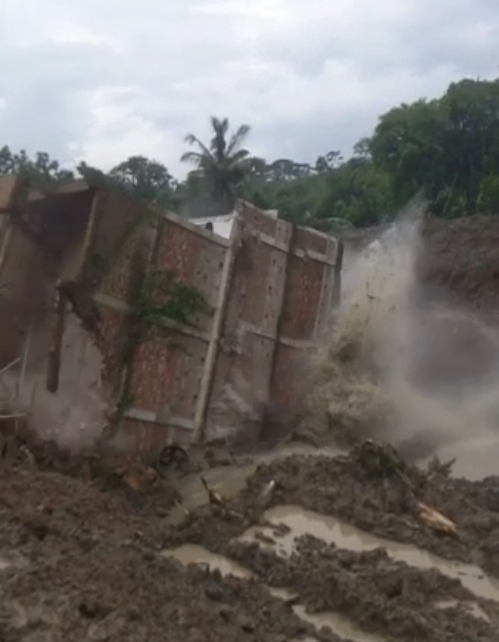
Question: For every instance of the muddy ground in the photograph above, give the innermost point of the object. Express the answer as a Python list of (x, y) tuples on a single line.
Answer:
[(82, 559)]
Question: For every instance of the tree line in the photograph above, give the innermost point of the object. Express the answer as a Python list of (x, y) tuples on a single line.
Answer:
[(445, 149)]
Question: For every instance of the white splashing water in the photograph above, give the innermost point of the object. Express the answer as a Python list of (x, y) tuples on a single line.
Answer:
[(419, 373)]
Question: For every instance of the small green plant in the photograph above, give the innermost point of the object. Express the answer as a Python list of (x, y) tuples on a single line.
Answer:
[(165, 297)]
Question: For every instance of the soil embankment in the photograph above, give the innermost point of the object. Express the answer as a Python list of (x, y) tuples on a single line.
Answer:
[(458, 260)]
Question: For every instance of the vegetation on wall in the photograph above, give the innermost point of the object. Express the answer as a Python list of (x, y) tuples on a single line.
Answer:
[(162, 299), (445, 148), (164, 296)]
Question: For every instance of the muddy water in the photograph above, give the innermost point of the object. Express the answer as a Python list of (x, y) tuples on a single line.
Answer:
[(473, 608), (230, 480), (192, 554), (302, 522), (337, 623)]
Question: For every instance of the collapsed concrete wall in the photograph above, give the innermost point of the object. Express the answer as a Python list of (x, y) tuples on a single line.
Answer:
[(42, 244), (27, 279), (74, 417), (89, 364)]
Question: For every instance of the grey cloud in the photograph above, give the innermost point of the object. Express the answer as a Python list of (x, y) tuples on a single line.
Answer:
[(41, 86), (435, 34), (76, 66), (305, 141), (172, 55), (443, 35), (38, 119)]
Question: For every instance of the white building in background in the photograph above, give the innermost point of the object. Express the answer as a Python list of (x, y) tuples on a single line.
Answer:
[(222, 225)]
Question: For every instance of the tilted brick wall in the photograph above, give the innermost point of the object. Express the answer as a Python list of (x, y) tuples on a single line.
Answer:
[(272, 286), (269, 288)]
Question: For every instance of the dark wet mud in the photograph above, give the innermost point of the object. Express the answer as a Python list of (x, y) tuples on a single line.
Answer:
[(308, 547)]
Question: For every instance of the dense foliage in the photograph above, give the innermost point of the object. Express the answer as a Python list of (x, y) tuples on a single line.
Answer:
[(446, 149)]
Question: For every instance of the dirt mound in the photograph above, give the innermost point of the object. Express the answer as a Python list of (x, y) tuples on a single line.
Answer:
[(102, 465), (78, 562), (384, 597), (126, 594), (461, 257), (341, 488), (46, 490), (379, 594)]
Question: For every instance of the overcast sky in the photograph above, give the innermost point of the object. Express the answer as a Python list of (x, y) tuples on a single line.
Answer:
[(100, 79)]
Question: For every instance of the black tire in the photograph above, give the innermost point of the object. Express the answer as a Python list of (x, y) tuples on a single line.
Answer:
[(172, 457)]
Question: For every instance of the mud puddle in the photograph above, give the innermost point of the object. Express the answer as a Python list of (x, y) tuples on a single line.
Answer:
[(231, 480), (339, 625), (301, 522), (192, 554), (474, 609)]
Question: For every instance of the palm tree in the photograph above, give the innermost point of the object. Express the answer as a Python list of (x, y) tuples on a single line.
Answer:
[(222, 164)]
